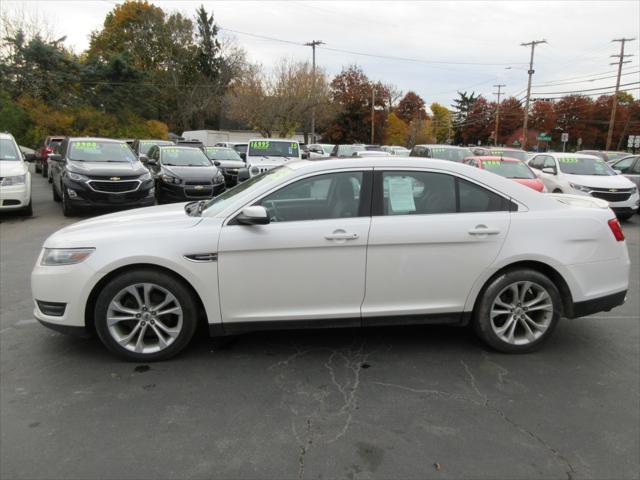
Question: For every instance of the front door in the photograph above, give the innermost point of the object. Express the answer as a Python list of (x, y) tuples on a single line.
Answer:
[(432, 235), (308, 263)]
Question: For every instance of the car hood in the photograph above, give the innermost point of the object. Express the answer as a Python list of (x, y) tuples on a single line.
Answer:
[(259, 160), (191, 173), (150, 222), (598, 181), (108, 169), (11, 168)]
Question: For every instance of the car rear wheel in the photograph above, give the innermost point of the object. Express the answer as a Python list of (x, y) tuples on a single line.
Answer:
[(145, 315), (518, 311), (56, 195), (625, 217), (44, 171)]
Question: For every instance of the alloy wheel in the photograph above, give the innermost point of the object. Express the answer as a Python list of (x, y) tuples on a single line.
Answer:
[(144, 318), (521, 313)]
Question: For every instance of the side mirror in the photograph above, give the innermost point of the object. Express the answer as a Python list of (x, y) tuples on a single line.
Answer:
[(243, 156), (256, 215), (143, 158), (152, 161), (550, 170), (30, 157), (217, 163), (619, 172), (55, 157)]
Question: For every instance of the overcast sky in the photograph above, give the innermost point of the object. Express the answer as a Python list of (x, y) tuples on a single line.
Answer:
[(475, 43)]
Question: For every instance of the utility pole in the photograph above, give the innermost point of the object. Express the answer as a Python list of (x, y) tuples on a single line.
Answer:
[(313, 44), (373, 102), (531, 71), (620, 61), (495, 134)]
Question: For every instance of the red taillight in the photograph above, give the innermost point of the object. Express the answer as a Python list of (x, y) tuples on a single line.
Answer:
[(616, 229)]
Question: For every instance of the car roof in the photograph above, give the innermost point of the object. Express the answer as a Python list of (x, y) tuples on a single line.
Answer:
[(180, 147), (273, 140), (439, 145), (570, 155), (96, 139), (494, 158), (6, 136)]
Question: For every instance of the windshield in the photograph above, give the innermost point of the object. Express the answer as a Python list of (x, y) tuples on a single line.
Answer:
[(349, 150), (452, 154), (184, 157), (246, 188), (218, 153), (508, 169), (240, 147), (97, 151), (616, 155), (8, 151), (519, 154), (327, 148), (145, 145), (585, 166), (273, 148)]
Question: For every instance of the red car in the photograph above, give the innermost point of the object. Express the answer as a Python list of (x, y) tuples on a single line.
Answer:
[(509, 168), (48, 146)]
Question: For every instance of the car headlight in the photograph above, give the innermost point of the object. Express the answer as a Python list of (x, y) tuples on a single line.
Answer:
[(65, 256), (581, 188), (219, 178), (76, 177), (171, 179), (15, 180), (145, 177)]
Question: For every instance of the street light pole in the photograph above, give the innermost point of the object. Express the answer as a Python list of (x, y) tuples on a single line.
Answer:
[(373, 102), (531, 71), (495, 134), (313, 44), (615, 95)]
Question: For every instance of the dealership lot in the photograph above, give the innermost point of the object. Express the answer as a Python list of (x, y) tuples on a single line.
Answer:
[(427, 402)]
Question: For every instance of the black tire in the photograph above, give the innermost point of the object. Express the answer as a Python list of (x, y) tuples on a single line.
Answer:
[(38, 167), (28, 210), (557, 190), (56, 195), (67, 209), (625, 217), (45, 170), (482, 322), (173, 285)]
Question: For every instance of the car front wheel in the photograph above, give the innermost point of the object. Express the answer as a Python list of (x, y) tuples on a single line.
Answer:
[(145, 315), (518, 311)]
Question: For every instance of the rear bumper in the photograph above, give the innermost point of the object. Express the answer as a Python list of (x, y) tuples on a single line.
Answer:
[(601, 304)]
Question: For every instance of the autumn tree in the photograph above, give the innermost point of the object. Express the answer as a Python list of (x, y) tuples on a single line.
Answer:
[(441, 123), (542, 116), (410, 107), (511, 116), (396, 131), (478, 124), (461, 108)]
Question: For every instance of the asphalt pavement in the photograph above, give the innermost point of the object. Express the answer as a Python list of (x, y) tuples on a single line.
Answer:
[(408, 402)]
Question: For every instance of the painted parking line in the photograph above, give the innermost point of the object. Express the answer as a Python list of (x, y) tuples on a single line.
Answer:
[(28, 321)]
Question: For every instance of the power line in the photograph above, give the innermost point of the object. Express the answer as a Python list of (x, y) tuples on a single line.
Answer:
[(552, 84), (585, 90)]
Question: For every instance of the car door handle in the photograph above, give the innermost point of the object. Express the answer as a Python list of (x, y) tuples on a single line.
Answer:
[(483, 230), (341, 236)]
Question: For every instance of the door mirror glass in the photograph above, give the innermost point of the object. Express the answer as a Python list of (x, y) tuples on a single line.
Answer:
[(550, 170), (152, 161), (55, 157), (216, 163), (617, 171), (143, 158), (255, 215)]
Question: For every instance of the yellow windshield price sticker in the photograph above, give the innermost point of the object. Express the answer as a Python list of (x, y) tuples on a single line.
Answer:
[(260, 145), (85, 145), (568, 160), (492, 162)]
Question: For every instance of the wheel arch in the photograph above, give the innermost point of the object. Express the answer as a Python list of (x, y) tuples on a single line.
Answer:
[(97, 288), (542, 267)]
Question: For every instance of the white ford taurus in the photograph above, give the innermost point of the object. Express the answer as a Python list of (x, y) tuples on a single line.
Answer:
[(340, 243)]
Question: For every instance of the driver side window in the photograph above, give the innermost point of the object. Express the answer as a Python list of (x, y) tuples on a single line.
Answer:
[(333, 195), (549, 162), (625, 164)]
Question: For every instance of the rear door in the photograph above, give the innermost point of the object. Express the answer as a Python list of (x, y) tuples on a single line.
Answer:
[(432, 235)]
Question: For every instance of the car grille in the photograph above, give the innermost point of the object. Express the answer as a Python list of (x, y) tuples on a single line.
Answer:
[(116, 186), (199, 193), (230, 171), (620, 195), (198, 182)]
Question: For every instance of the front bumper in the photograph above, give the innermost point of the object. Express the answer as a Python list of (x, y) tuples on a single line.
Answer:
[(182, 193), (13, 197), (85, 197)]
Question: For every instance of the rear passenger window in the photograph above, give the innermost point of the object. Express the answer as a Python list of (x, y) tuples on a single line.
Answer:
[(423, 193), (474, 198)]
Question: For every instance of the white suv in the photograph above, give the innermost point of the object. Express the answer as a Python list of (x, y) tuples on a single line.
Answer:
[(580, 174), (15, 179), (266, 153)]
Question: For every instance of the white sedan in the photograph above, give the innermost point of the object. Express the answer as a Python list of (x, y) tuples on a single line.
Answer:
[(15, 178), (347, 243)]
